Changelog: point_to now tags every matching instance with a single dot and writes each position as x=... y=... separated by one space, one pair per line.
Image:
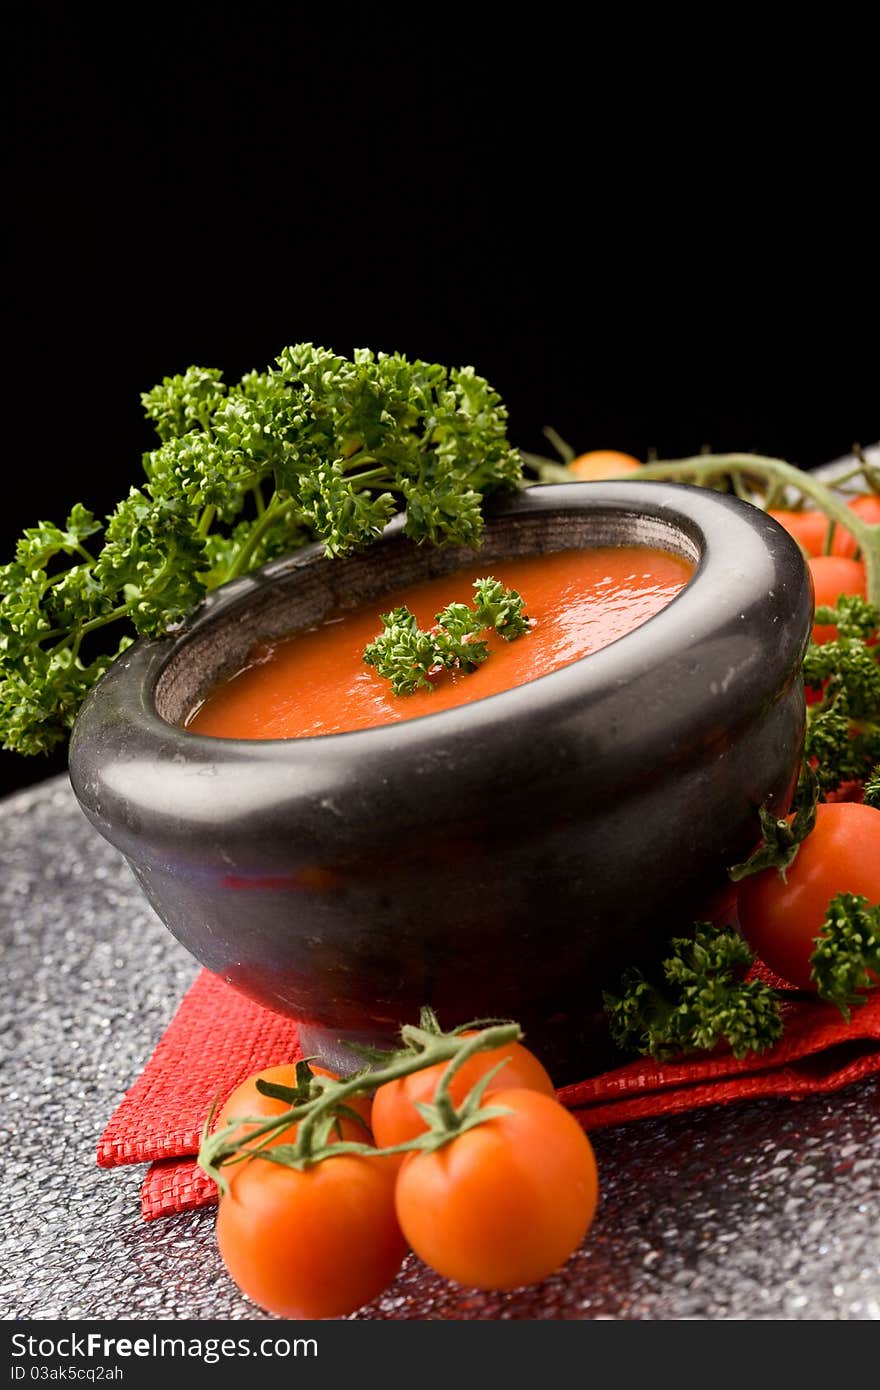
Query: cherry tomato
x=506 y=1202
x=834 y=575
x=781 y=919
x=247 y=1100
x=809 y=528
x=603 y=463
x=868 y=508
x=395 y=1118
x=312 y=1244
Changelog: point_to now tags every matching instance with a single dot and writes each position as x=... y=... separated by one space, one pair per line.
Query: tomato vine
x=318 y=1100
x=707 y=470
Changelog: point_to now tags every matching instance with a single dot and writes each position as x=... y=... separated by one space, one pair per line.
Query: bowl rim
x=119 y=719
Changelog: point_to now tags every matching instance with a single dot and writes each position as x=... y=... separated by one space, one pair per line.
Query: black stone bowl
x=506 y=858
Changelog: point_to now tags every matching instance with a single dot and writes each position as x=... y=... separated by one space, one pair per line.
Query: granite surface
x=759 y=1210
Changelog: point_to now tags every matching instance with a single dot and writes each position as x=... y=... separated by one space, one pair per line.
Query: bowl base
x=330 y=1046
x=571 y=1050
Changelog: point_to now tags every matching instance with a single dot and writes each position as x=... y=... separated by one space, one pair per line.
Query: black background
x=644 y=236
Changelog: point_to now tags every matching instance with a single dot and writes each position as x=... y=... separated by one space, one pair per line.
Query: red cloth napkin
x=198 y=1062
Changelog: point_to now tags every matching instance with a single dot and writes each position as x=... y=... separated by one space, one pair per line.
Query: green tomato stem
x=442 y=1098
x=423 y=1049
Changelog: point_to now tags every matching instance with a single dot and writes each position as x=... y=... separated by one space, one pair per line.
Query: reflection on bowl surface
x=505 y=858
x=316 y=682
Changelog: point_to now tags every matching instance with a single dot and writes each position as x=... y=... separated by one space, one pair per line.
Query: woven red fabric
x=196 y=1063
x=175 y=1185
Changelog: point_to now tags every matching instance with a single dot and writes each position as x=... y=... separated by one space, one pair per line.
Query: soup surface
x=317 y=682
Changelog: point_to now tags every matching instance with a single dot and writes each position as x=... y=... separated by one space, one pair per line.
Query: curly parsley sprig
x=318 y=447
x=695 y=999
x=843 y=722
x=408 y=657
x=846 y=960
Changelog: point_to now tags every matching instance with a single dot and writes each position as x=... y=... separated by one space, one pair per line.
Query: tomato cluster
x=836 y=568
x=501 y=1203
x=810 y=526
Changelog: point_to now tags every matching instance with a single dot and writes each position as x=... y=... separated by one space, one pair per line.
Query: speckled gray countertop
x=760 y=1210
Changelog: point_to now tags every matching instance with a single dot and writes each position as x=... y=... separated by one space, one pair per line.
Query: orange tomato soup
x=317 y=682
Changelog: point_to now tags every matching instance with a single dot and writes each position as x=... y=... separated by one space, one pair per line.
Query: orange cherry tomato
x=868 y=508
x=834 y=575
x=809 y=528
x=781 y=918
x=603 y=463
x=395 y=1118
x=246 y=1100
x=505 y=1203
x=312 y=1244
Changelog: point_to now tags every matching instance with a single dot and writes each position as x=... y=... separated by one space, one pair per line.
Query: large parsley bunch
x=319 y=447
